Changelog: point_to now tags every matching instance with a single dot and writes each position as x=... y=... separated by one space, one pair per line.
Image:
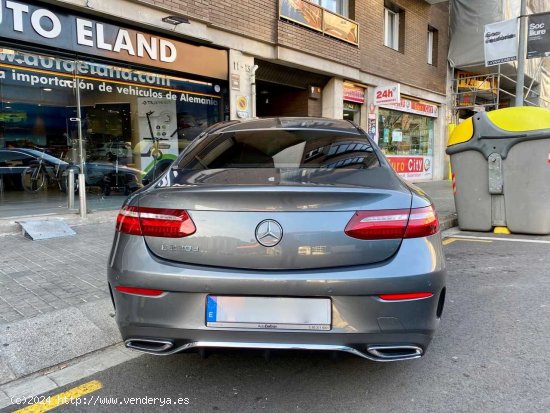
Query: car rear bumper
x=362 y=323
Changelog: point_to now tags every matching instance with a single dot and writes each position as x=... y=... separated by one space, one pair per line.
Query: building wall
x=255 y=19
x=409 y=65
x=252 y=31
x=197 y=9
x=259 y=19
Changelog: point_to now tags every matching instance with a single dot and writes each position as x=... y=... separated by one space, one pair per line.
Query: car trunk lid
x=300 y=227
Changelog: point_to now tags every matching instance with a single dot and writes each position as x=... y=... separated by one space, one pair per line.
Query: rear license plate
x=268 y=313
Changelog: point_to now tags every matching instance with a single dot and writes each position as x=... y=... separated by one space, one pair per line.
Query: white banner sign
x=385 y=95
x=157 y=120
x=501 y=42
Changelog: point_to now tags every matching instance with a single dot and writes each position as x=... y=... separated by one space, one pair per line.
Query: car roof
x=37 y=154
x=289 y=123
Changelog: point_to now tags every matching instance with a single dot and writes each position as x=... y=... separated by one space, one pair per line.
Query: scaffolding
x=485 y=92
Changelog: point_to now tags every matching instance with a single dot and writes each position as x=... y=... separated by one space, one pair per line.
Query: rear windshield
x=280 y=149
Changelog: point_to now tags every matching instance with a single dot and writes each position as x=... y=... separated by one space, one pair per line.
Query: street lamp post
x=521 y=53
x=81 y=175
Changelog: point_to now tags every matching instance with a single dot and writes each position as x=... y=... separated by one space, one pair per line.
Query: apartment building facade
x=146 y=76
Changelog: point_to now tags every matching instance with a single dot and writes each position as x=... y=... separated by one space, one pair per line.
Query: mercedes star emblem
x=269 y=233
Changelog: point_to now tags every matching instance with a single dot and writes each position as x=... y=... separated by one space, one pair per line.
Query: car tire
x=64 y=185
x=33 y=179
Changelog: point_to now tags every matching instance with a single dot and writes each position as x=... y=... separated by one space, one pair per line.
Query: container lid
x=462 y=133
x=499 y=130
x=516 y=119
x=520 y=119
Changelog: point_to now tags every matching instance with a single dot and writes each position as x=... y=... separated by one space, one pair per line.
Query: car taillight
x=139 y=291
x=393 y=223
x=405 y=296
x=155 y=222
x=422 y=222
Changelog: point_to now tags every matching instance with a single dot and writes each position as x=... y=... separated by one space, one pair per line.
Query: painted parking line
x=51 y=402
x=450 y=240
x=490 y=239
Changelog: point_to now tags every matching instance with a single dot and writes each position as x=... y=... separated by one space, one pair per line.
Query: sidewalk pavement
x=54 y=301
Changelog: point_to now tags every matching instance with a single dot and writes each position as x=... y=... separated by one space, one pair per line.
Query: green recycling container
x=501 y=170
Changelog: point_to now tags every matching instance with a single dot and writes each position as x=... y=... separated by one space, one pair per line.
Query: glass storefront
x=405 y=133
x=132 y=121
x=407 y=139
x=352 y=112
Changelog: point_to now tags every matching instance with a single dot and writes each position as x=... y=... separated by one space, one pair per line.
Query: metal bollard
x=82 y=195
x=70 y=189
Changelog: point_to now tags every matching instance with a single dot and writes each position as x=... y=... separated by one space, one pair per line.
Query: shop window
x=37 y=104
x=352 y=112
x=132 y=122
x=141 y=120
x=394 y=25
x=432 y=44
x=403 y=133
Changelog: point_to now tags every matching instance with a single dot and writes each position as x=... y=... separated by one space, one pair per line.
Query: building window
x=337 y=6
x=432 y=46
x=391 y=29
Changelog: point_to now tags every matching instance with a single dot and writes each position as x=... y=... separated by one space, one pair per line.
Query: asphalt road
x=490 y=354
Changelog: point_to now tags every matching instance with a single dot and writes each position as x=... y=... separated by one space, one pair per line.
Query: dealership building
x=123 y=86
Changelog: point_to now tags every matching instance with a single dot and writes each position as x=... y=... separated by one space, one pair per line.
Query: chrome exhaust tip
x=395 y=352
x=149 y=345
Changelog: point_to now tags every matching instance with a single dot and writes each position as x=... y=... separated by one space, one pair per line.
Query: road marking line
x=450 y=240
x=57 y=400
x=472 y=240
x=469 y=237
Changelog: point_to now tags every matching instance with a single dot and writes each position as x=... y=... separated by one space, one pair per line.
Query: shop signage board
x=46 y=25
x=501 y=42
x=353 y=93
x=538 y=39
x=385 y=95
x=42 y=70
x=317 y=18
x=412 y=106
x=412 y=167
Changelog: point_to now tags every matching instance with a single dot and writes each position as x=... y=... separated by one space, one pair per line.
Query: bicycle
x=39 y=175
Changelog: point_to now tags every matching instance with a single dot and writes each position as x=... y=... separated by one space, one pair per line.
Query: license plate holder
x=268 y=313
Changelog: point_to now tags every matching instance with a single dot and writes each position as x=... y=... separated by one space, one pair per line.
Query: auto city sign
x=47 y=26
x=412 y=167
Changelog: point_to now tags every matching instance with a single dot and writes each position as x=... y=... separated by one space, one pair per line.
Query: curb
x=448 y=222
x=9 y=226
x=52 y=378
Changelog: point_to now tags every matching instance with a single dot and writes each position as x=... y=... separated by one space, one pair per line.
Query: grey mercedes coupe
x=280 y=233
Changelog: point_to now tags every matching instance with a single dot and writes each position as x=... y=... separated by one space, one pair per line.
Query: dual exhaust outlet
x=374 y=352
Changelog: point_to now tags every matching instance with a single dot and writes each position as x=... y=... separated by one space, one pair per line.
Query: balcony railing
x=317 y=18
